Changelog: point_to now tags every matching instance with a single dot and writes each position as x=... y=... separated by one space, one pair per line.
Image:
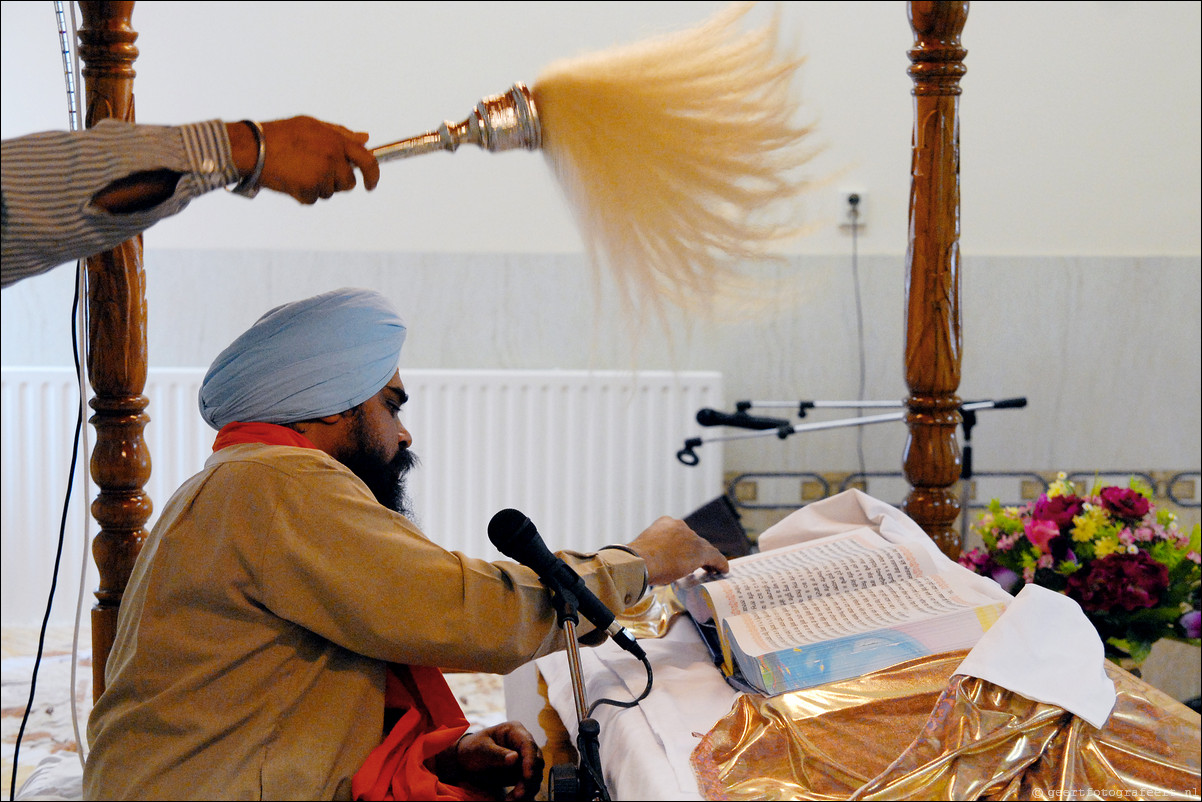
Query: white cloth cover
x=1042 y=647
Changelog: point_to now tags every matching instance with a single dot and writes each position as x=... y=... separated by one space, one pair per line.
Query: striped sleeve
x=50 y=178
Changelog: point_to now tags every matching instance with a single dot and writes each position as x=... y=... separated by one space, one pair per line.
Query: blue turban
x=306 y=359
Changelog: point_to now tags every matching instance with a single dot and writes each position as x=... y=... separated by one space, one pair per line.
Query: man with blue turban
x=282 y=631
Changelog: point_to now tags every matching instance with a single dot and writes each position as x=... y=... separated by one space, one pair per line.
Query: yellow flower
x=1087 y=525
x=1061 y=487
x=1107 y=545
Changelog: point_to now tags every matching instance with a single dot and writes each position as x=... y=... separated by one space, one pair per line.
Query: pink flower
x=975 y=560
x=1119 y=581
x=1041 y=532
x=1145 y=534
x=1124 y=503
x=1058 y=509
x=1006 y=542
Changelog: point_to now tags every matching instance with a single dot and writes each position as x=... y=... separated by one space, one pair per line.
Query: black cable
x=615 y=702
x=62 y=534
x=70 y=77
x=592 y=766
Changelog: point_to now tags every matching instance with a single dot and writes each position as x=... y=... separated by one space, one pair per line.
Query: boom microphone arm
x=688 y=454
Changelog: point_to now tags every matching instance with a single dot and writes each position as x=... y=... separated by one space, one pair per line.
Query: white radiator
x=590 y=457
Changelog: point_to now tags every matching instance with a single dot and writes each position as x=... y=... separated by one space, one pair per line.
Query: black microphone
x=712 y=417
x=514 y=536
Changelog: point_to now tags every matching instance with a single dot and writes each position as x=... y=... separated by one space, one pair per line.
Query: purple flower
x=1119 y=582
x=1124 y=503
x=983 y=563
x=1005 y=577
x=1057 y=509
x=1191 y=622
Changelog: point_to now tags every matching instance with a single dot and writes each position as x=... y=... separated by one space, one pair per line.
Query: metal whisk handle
x=414 y=146
x=440 y=140
x=499 y=122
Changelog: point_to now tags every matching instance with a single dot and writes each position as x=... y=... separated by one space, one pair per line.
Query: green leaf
x=1135 y=649
x=1143 y=488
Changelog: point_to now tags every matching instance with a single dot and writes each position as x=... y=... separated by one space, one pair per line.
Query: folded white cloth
x=1044 y=648
x=850 y=509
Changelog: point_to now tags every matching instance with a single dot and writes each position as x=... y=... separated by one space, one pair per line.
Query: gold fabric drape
x=919 y=731
x=915 y=731
x=653 y=614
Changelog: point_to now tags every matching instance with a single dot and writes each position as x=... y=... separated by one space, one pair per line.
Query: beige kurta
x=250 y=653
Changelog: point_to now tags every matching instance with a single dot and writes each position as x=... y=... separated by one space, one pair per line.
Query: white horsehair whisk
x=679 y=155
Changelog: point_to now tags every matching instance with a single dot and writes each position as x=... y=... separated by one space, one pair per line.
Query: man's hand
x=499 y=757
x=672 y=550
x=306 y=158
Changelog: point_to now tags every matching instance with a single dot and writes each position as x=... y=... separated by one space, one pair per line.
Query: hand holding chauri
x=306 y=158
x=303 y=157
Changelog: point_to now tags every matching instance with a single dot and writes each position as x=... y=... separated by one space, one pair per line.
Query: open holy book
x=834 y=608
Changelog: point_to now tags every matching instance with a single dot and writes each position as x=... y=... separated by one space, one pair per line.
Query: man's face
x=378 y=448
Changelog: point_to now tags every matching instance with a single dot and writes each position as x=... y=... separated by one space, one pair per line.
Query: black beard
x=386 y=481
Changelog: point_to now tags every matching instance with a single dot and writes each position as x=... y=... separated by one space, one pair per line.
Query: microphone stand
x=968 y=413
x=802 y=406
x=582 y=783
x=688 y=455
x=969 y=420
x=968 y=417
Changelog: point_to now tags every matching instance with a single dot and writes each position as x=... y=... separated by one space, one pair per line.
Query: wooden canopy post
x=932 y=354
x=116 y=345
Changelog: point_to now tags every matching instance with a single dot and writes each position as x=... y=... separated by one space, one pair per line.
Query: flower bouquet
x=1134 y=572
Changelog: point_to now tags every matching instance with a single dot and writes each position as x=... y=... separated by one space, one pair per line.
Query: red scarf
x=429 y=717
x=432 y=722
x=270 y=434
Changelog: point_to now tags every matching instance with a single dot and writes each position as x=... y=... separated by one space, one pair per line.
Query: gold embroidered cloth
x=915 y=731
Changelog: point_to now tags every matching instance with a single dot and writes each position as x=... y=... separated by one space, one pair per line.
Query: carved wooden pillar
x=932 y=354
x=117 y=345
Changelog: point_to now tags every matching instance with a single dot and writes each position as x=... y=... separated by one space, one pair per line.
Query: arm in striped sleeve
x=51 y=180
